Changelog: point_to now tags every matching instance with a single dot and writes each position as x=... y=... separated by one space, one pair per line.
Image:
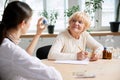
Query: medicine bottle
x=105 y=53
x=45 y=22
x=109 y=55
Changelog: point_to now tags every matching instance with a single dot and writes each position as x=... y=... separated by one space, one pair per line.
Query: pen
x=83 y=52
x=80 y=48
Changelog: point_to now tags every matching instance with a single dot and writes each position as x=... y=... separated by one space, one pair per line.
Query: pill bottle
x=105 y=53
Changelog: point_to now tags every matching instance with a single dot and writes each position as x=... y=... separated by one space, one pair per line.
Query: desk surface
x=103 y=69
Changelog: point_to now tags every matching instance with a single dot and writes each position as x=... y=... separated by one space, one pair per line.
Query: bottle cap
x=105 y=48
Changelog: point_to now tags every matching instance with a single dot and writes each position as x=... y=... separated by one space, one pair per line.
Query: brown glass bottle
x=105 y=53
x=109 y=55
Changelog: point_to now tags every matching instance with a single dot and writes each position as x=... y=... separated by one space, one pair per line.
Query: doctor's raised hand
x=39 y=30
x=40 y=26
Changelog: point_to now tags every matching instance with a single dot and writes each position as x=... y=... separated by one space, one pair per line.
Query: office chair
x=42 y=52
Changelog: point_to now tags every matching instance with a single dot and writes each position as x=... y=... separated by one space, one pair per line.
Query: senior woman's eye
x=80 y=22
x=73 y=20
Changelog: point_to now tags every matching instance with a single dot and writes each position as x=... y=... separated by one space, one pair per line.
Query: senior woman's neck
x=75 y=35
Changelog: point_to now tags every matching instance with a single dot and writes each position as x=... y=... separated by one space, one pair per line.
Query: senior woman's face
x=76 y=25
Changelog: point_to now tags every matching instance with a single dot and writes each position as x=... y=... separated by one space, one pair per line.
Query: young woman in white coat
x=15 y=62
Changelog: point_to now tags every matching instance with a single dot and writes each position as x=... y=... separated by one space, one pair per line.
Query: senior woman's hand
x=82 y=55
x=94 y=57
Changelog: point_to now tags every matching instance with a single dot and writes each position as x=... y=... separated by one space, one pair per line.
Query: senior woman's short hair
x=81 y=16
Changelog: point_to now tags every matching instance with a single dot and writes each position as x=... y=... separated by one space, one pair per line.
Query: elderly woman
x=71 y=44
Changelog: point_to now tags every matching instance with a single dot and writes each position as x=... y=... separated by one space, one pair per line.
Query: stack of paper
x=86 y=61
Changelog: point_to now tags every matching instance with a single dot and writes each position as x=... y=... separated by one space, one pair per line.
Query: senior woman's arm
x=94 y=45
x=56 y=50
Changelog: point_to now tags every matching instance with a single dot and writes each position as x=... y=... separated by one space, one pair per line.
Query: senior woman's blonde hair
x=81 y=16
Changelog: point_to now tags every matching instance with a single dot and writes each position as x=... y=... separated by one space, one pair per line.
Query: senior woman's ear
x=68 y=27
x=84 y=28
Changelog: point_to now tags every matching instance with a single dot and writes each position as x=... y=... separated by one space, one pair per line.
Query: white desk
x=103 y=69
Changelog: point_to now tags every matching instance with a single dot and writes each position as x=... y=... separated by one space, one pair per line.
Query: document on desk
x=86 y=61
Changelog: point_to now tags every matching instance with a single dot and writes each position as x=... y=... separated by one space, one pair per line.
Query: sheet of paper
x=86 y=61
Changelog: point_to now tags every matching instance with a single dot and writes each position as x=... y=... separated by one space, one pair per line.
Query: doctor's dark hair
x=13 y=15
